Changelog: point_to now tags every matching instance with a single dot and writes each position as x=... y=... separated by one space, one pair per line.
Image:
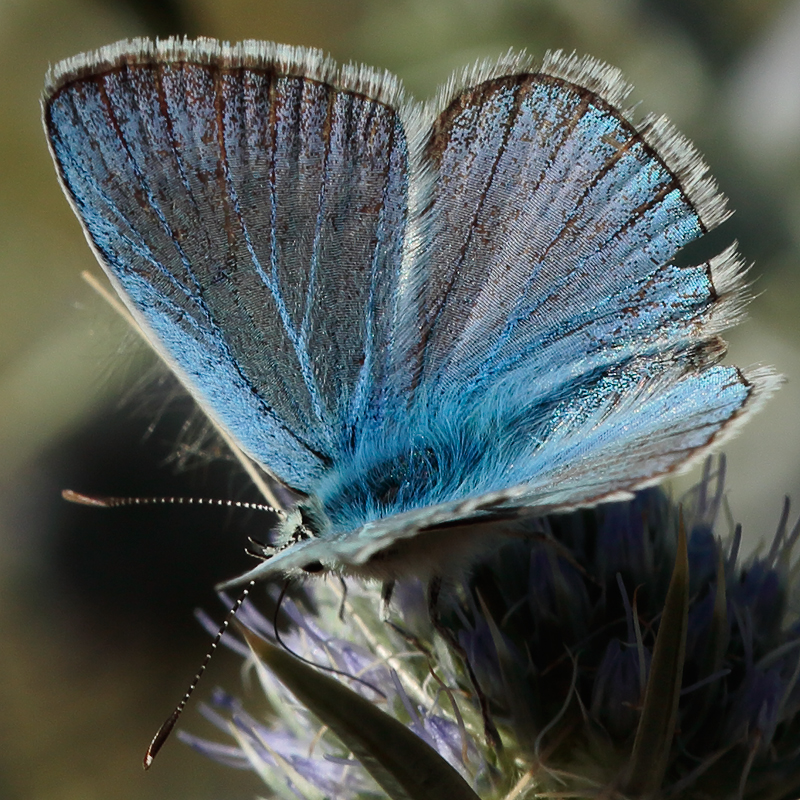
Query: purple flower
x=560 y=632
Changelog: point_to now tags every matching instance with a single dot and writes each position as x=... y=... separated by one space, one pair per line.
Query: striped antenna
x=99 y=501
x=166 y=729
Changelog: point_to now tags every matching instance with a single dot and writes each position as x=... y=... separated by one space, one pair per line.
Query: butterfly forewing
x=554 y=225
x=253 y=218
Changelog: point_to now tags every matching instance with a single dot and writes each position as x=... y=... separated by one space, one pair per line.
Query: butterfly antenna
x=307 y=661
x=166 y=729
x=99 y=501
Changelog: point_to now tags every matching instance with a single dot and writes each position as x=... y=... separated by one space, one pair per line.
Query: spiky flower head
x=622 y=651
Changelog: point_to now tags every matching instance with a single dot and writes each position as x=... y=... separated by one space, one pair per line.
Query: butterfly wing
x=554 y=220
x=249 y=204
x=550 y=306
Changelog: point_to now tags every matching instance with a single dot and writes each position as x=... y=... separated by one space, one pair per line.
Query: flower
x=296 y=756
x=560 y=630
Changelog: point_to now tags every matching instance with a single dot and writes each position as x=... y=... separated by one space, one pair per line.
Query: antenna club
x=84 y=499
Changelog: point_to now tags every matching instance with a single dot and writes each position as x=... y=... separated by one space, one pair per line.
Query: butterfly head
x=304 y=524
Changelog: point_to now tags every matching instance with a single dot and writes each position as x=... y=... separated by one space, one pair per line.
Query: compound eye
x=313 y=566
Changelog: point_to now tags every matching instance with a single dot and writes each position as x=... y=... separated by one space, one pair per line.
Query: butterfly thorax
x=368 y=489
x=361 y=495
x=439 y=457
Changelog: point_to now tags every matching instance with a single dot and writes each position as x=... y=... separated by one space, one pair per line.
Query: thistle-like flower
x=623 y=651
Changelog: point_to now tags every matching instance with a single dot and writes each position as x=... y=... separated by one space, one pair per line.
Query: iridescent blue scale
x=432 y=321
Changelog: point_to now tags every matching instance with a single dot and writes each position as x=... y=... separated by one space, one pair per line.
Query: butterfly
x=430 y=321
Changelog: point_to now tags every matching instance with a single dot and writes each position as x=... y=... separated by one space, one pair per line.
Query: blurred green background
x=97 y=639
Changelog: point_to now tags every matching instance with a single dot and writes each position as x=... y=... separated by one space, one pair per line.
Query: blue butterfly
x=429 y=321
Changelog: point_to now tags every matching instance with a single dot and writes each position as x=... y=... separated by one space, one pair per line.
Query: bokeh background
x=97 y=638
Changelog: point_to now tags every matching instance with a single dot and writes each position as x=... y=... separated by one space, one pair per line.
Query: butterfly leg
x=344 y=598
x=489 y=729
x=387 y=590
